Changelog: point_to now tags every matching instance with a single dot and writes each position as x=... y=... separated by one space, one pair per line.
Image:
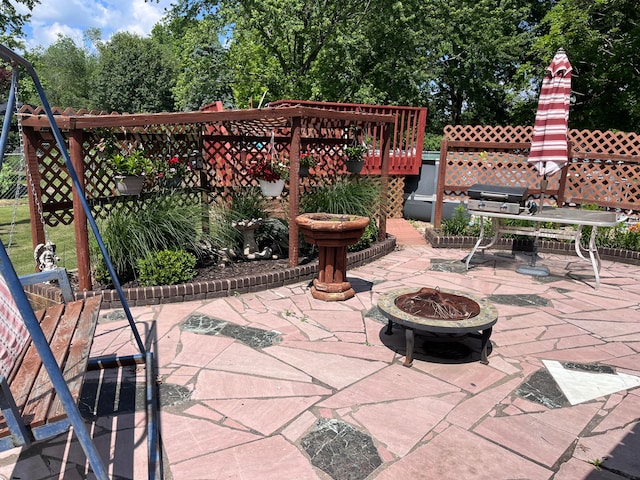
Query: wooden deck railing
x=407 y=136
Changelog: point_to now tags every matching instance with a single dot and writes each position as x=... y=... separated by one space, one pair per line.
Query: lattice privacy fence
x=226 y=150
x=603 y=168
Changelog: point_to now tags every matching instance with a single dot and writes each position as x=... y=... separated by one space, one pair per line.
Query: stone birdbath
x=332 y=233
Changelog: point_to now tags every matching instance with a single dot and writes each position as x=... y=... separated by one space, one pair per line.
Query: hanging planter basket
x=129 y=184
x=354 y=166
x=271 y=189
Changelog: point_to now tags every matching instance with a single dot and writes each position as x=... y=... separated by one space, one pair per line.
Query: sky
x=73 y=17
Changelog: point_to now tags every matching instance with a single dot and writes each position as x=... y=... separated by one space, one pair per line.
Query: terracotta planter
x=129 y=184
x=332 y=234
x=271 y=189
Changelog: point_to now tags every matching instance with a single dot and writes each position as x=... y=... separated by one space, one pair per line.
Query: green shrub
x=243 y=204
x=368 y=237
x=166 y=267
x=133 y=231
x=458 y=224
x=248 y=204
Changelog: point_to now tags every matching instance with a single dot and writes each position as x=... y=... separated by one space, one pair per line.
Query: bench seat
x=69 y=330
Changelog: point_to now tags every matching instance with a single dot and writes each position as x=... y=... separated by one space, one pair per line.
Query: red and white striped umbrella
x=549 y=148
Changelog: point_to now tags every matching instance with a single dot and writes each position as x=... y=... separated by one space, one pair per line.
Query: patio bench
x=31 y=408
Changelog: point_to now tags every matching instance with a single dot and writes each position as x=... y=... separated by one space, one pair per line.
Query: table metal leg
x=594 y=256
x=477 y=246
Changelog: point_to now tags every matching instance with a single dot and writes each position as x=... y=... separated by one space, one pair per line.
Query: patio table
x=565 y=216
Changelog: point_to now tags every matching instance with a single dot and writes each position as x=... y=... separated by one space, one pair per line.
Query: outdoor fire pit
x=332 y=233
x=438 y=312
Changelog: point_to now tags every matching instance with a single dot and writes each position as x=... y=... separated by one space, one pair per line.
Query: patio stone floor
x=278 y=385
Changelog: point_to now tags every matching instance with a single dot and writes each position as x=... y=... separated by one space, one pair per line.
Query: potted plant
x=271 y=172
x=307 y=160
x=172 y=171
x=355 y=157
x=131 y=171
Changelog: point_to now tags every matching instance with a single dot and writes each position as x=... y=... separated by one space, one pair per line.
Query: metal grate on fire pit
x=432 y=303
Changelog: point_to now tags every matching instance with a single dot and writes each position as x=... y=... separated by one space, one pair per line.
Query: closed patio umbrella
x=549 y=147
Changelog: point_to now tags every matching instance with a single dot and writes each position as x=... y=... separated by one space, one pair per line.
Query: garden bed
x=438 y=240
x=243 y=277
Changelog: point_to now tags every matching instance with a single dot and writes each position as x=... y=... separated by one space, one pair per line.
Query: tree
x=602 y=41
x=65 y=70
x=274 y=46
x=472 y=53
x=134 y=75
x=203 y=75
x=11 y=21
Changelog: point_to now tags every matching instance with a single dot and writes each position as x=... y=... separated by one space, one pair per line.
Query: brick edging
x=141 y=296
x=437 y=240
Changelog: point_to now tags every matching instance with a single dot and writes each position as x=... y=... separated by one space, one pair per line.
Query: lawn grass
x=21 y=248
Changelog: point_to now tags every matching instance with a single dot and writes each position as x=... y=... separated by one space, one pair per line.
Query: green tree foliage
x=12 y=20
x=602 y=41
x=203 y=75
x=472 y=51
x=65 y=71
x=134 y=74
x=275 y=45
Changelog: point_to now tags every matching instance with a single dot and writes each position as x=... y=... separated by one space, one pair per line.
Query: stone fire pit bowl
x=332 y=233
x=481 y=316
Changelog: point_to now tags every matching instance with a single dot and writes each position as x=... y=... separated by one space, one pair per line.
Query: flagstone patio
x=279 y=385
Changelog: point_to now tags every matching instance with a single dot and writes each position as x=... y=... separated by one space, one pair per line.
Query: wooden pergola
x=296 y=123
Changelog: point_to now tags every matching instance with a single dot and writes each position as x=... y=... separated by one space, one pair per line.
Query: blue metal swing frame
x=15 y=284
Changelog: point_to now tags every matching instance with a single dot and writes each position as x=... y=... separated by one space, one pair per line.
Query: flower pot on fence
x=173 y=182
x=304 y=172
x=129 y=184
x=271 y=189
x=354 y=166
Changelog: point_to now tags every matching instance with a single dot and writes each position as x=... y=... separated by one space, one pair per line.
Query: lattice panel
x=482 y=133
x=604 y=168
x=465 y=169
x=607 y=183
x=54 y=182
x=582 y=141
x=605 y=143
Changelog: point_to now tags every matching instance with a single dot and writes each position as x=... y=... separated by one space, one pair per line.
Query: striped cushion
x=13 y=333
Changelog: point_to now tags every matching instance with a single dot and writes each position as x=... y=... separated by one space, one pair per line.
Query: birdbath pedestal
x=332 y=234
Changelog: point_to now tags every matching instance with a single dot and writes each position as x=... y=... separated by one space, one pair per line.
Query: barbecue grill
x=497 y=198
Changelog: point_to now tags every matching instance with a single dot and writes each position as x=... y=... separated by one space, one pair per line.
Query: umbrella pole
x=543 y=188
x=533 y=269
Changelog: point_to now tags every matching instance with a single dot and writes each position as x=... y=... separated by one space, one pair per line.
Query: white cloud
x=73 y=17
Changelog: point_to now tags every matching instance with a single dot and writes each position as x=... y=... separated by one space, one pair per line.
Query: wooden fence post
x=79 y=218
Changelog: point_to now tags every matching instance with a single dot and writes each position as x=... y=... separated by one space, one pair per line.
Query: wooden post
x=294 y=191
x=79 y=218
x=384 y=182
x=33 y=188
x=442 y=168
